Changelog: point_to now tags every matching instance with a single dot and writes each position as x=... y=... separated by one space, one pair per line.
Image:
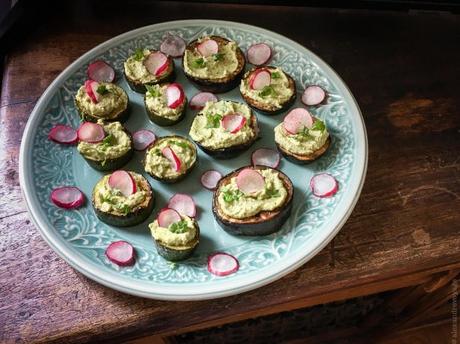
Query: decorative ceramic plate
x=81 y=239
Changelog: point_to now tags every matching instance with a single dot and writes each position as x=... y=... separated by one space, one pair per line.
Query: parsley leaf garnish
x=139 y=54
x=180 y=144
x=267 y=91
x=108 y=141
x=218 y=56
x=230 y=196
x=179 y=227
x=272 y=192
x=102 y=89
x=275 y=75
x=153 y=91
x=318 y=125
x=124 y=209
x=303 y=134
x=199 y=63
x=213 y=121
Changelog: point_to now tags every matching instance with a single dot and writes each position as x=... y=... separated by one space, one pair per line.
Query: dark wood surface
x=403 y=69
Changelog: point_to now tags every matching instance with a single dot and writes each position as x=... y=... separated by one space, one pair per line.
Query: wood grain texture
x=403 y=70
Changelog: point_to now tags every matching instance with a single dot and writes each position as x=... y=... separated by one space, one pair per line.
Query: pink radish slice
x=259 y=79
x=67 y=197
x=174 y=95
x=199 y=100
x=169 y=154
x=259 y=54
x=173 y=45
x=167 y=217
x=91 y=132
x=91 y=90
x=100 y=71
x=123 y=181
x=313 y=95
x=183 y=204
x=63 y=134
x=208 y=47
x=210 y=178
x=120 y=253
x=142 y=139
x=222 y=264
x=323 y=185
x=250 y=181
x=296 y=120
x=233 y=123
x=156 y=63
x=266 y=157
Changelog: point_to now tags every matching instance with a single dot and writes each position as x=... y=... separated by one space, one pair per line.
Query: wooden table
x=404 y=70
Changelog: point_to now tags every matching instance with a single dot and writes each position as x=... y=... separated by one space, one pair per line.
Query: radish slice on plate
x=259 y=79
x=183 y=204
x=208 y=47
x=91 y=132
x=100 y=71
x=167 y=217
x=120 y=253
x=63 y=134
x=324 y=185
x=259 y=54
x=266 y=157
x=156 y=63
x=222 y=264
x=250 y=181
x=173 y=45
x=210 y=178
x=174 y=95
x=123 y=181
x=142 y=139
x=313 y=95
x=199 y=100
x=233 y=123
x=67 y=197
x=91 y=90
x=169 y=154
x=296 y=120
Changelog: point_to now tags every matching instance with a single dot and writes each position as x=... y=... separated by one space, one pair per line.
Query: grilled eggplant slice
x=154 y=108
x=304 y=159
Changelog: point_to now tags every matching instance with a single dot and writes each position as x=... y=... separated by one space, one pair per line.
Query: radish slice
x=67 y=197
x=324 y=185
x=156 y=63
x=63 y=134
x=167 y=217
x=91 y=132
x=123 y=181
x=266 y=157
x=142 y=139
x=210 y=178
x=233 y=123
x=120 y=253
x=199 y=100
x=91 y=89
x=169 y=154
x=222 y=264
x=183 y=204
x=259 y=79
x=259 y=54
x=250 y=181
x=100 y=71
x=208 y=47
x=296 y=120
x=174 y=95
x=313 y=95
x=173 y=45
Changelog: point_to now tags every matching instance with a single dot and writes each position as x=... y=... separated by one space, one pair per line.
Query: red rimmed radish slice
x=199 y=100
x=174 y=95
x=208 y=47
x=313 y=95
x=123 y=181
x=259 y=54
x=173 y=45
x=142 y=139
x=222 y=264
x=233 y=122
x=250 y=181
x=100 y=71
x=67 y=197
x=63 y=134
x=209 y=179
x=120 y=253
x=156 y=63
x=167 y=217
x=169 y=154
x=259 y=79
x=296 y=120
x=324 y=185
x=91 y=90
x=266 y=157
x=183 y=204
x=91 y=132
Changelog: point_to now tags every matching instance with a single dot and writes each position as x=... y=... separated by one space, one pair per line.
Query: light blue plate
x=81 y=239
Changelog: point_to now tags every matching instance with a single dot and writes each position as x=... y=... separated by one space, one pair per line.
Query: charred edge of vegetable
x=122 y=116
x=163 y=121
x=175 y=254
x=139 y=87
x=304 y=159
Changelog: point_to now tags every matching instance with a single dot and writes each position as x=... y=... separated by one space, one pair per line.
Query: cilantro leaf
x=230 y=196
x=213 y=121
x=138 y=54
x=199 y=63
x=218 y=56
x=275 y=75
x=267 y=91
x=180 y=144
x=102 y=89
x=272 y=192
x=179 y=227
x=318 y=125
x=153 y=91
x=124 y=209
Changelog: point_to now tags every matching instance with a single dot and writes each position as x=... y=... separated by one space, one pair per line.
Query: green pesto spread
x=135 y=68
x=178 y=234
x=157 y=103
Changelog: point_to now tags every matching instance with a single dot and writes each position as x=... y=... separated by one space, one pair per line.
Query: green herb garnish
x=153 y=91
x=179 y=227
x=230 y=196
x=102 y=89
x=138 y=54
x=199 y=63
x=218 y=56
x=267 y=91
x=180 y=144
x=124 y=209
x=213 y=121
x=303 y=134
x=275 y=75
x=318 y=125
x=272 y=192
